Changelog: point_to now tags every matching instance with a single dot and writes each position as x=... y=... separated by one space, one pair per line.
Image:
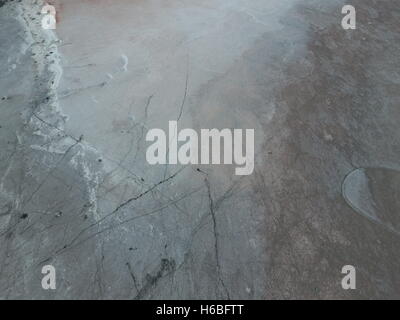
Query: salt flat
x=78 y=193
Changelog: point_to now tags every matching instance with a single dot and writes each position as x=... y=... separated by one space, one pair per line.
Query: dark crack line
x=55 y=127
x=146 y=109
x=185 y=92
x=133 y=277
x=167 y=267
x=68 y=93
x=181 y=109
x=147 y=191
x=72 y=243
x=215 y=230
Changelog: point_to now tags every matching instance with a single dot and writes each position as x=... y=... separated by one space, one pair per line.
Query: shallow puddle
x=375 y=194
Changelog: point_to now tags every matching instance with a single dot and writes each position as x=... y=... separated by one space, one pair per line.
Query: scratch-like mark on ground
x=216 y=243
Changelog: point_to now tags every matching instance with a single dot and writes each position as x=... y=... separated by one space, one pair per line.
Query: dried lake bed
x=76 y=189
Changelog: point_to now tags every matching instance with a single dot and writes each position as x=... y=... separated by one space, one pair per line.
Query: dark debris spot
x=24 y=216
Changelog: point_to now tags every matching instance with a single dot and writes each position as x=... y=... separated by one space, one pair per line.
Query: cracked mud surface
x=76 y=191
